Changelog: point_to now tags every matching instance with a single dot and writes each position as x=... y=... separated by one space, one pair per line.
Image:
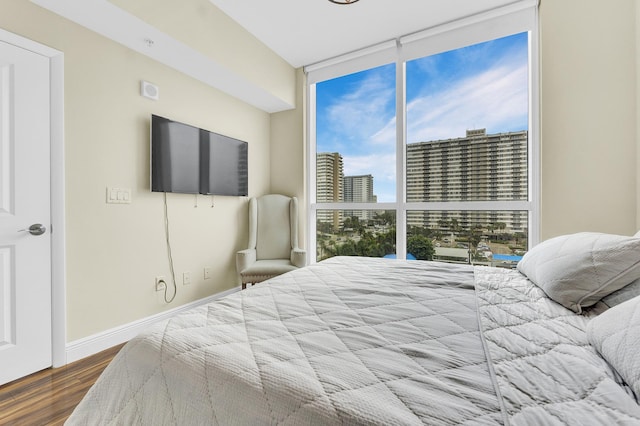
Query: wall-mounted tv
x=190 y=160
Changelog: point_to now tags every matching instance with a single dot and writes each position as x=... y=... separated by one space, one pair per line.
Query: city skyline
x=480 y=86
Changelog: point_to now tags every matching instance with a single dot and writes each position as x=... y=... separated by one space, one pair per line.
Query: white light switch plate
x=118 y=195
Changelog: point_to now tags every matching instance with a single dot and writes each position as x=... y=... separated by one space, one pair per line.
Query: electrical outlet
x=161 y=284
x=207 y=272
x=186 y=278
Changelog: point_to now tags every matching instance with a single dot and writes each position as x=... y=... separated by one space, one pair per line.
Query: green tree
x=475 y=235
x=348 y=248
x=455 y=226
x=421 y=230
x=368 y=245
x=519 y=237
x=324 y=227
x=421 y=247
x=386 y=242
x=385 y=218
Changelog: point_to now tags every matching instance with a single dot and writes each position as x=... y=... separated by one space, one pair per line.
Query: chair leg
x=244 y=285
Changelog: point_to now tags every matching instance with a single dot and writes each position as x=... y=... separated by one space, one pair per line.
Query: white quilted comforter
x=366 y=341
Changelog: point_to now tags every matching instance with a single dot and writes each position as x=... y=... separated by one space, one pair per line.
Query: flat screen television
x=190 y=160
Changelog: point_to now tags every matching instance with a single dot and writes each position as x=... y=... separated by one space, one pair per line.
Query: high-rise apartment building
x=478 y=167
x=359 y=189
x=329 y=181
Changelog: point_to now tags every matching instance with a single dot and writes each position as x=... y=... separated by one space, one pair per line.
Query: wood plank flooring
x=49 y=396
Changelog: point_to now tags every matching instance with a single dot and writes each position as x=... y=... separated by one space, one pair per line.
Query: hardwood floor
x=49 y=396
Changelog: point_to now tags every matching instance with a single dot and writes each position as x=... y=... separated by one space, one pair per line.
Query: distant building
x=329 y=189
x=359 y=189
x=478 y=167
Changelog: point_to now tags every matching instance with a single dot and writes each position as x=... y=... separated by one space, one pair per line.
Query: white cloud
x=495 y=100
x=359 y=116
x=384 y=166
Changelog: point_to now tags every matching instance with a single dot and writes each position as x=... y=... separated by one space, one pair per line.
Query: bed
x=364 y=341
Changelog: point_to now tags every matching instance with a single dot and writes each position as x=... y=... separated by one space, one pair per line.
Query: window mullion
x=401 y=136
x=311 y=170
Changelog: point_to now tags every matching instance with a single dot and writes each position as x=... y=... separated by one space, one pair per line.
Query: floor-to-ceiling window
x=427 y=148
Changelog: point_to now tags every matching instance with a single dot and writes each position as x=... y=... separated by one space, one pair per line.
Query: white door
x=25 y=255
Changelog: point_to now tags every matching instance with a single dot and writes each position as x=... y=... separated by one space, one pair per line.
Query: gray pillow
x=577 y=270
x=616 y=336
x=625 y=293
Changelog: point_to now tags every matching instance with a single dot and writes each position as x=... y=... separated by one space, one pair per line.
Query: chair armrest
x=298 y=257
x=245 y=258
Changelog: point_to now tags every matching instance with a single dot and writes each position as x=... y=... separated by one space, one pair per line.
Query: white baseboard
x=91 y=345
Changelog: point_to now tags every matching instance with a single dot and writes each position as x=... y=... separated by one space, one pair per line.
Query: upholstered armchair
x=273 y=240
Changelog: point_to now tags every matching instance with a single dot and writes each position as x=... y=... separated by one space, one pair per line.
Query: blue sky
x=480 y=86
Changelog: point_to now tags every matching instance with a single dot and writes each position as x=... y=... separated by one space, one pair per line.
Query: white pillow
x=577 y=270
x=616 y=336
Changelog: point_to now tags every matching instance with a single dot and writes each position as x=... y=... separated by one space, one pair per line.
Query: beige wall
x=114 y=252
x=288 y=153
x=588 y=113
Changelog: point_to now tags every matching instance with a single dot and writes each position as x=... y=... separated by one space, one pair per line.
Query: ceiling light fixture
x=343 y=1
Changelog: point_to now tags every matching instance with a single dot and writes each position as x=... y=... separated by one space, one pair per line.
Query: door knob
x=35 y=229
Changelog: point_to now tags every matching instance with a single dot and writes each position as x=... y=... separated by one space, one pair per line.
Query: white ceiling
x=304 y=32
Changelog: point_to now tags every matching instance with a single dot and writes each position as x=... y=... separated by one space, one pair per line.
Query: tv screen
x=190 y=160
x=223 y=165
x=175 y=156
